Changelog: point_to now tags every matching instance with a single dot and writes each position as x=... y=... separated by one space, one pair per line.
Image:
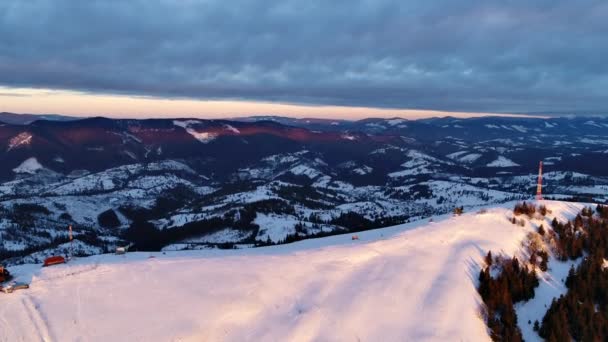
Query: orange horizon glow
x=82 y=104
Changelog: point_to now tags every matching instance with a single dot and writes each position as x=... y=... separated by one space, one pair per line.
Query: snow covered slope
x=413 y=282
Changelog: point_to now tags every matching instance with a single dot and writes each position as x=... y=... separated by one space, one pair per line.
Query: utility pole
x=71 y=242
x=539 y=186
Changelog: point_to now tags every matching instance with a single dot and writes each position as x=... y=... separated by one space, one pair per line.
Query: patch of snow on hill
x=419 y=163
x=593 y=190
x=259 y=194
x=464 y=156
x=394 y=122
x=592 y=123
x=374 y=125
x=554 y=158
x=22 y=139
x=203 y=137
x=363 y=170
x=384 y=150
x=169 y=165
x=593 y=141
x=519 y=128
x=232 y=129
x=551 y=287
x=159 y=182
x=30 y=165
x=131 y=155
x=275 y=227
x=304 y=170
x=185 y=123
x=456 y=155
x=502 y=162
x=470 y=158
x=285 y=158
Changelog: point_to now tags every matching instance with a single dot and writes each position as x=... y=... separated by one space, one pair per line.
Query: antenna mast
x=539 y=186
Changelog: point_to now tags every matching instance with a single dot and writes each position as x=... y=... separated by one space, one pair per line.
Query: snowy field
x=413 y=282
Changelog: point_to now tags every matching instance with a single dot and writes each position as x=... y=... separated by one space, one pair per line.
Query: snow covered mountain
x=409 y=282
x=191 y=184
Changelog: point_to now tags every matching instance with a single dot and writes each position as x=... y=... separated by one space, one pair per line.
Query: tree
x=108 y=219
x=144 y=235
x=514 y=283
x=541 y=230
x=489 y=258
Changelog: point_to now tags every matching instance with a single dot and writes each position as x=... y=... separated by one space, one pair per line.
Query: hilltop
x=415 y=281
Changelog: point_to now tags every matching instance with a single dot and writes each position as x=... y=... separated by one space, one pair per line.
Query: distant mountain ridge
x=25 y=119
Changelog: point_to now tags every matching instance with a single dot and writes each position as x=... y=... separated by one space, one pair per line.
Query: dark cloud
x=448 y=55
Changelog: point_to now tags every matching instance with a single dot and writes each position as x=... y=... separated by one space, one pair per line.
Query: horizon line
x=85 y=105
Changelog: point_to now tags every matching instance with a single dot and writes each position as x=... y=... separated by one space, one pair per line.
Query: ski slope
x=412 y=282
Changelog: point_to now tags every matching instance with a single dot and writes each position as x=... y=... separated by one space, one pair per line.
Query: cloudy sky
x=340 y=57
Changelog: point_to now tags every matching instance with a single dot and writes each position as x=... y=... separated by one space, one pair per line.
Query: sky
x=347 y=59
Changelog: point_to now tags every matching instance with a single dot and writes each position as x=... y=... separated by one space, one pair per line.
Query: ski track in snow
x=37 y=318
x=413 y=282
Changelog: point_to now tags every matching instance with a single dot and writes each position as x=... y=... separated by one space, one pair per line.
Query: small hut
x=54 y=260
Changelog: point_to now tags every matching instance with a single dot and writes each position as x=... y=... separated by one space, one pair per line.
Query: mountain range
x=193 y=183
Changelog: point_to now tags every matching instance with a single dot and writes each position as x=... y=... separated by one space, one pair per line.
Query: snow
x=375 y=125
x=30 y=165
x=592 y=123
x=420 y=163
x=594 y=190
x=394 y=122
x=519 y=128
x=285 y=158
x=456 y=155
x=232 y=129
x=275 y=227
x=304 y=170
x=131 y=155
x=185 y=123
x=258 y=194
x=593 y=141
x=551 y=286
x=502 y=162
x=470 y=158
x=464 y=156
x=409 y=282
x=203 y=137
x=363 y=170
x=20 y=140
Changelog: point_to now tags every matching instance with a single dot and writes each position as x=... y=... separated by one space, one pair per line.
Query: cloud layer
x=500 y=56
